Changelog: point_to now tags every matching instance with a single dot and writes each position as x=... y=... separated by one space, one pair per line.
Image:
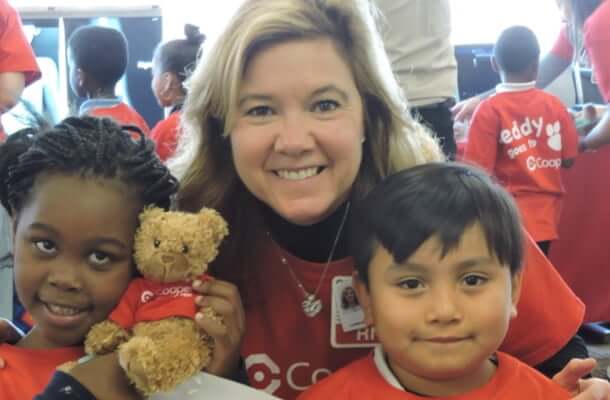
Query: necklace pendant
x=311 y=306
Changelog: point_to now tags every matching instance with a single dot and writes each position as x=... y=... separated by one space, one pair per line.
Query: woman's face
x=297 y=140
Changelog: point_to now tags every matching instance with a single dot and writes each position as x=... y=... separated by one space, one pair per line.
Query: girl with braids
x=172 y=63
x=74 y=193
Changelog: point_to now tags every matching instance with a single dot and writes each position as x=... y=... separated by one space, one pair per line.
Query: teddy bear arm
x=105 y=337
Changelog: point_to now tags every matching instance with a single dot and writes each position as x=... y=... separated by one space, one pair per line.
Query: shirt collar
x=384 y=368
x=90 y=104
x=515 y=87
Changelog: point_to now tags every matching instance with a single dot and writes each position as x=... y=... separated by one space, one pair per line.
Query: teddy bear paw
x=151 y=367
x=104 y=338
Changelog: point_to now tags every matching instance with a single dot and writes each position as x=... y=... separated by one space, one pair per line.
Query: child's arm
x=65 y=387
x=100 y=378
x=599 y=135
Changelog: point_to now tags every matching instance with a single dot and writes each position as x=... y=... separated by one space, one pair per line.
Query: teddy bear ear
x=215 y=222
x=150 y=212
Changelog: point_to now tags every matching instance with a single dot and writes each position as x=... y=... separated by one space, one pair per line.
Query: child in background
x=74 y=194
x=523 y=136
x=439 y=287
x=18 y=66
x=172 y=63
x=97 y=59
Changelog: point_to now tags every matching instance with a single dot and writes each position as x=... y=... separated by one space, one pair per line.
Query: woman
x=585 y=36
x=295 y=117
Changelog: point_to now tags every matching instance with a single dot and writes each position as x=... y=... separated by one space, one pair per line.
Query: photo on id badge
x=347 y=310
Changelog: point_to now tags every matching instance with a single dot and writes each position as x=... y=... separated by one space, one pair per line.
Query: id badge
x=348 y=328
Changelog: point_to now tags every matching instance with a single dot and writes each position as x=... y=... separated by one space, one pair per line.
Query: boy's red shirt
x=123 y=114
x=521 y=137
x=363 y=379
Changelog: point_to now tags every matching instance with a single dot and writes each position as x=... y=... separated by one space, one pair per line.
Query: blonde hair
x=203 y=162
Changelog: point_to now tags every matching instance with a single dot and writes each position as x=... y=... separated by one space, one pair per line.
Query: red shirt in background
x=285 y=351
x=596 y=34
x=145 y=300
x=16 y=54
x=364 y=379
x=122 y=113
x=521 y=135
x=28 y=371
x=562 y=47
x=165 y=135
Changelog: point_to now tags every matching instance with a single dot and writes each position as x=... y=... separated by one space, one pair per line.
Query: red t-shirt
x=521 y=137
x=165 y=135
x=146 y=300
x=286 y=351
x=28 y=371
x=123 y=114
x=362 y=379
x=16 y=54
x=596 y=34
x=562 y=47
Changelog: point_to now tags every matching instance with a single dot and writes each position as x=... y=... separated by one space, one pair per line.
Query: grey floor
x=601 y=352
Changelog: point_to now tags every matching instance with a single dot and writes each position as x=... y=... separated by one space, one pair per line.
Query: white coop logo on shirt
x=146 y=296
x=174 y=291
x=267 y=375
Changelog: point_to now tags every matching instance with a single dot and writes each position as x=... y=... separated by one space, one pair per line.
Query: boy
x=523 y=135
x=439 y=287
x=97 y=59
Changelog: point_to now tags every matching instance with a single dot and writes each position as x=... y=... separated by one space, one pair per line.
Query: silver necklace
x=311 y=304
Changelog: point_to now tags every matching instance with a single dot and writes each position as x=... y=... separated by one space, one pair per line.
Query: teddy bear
x=153 y=328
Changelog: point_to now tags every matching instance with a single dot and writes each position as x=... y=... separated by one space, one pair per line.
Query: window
x=481 y=21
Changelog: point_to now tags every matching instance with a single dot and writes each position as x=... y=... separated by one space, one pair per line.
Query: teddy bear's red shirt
x=146 y=300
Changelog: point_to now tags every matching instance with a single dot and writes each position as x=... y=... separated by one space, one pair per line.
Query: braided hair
x=87 y=146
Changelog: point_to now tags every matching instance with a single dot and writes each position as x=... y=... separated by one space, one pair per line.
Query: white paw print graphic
x=553 y=131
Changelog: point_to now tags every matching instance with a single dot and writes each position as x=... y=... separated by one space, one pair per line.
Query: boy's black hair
x=443 y=199
x=86 y=146
x=100 y=52
x=180 y=56
x=516 y=50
